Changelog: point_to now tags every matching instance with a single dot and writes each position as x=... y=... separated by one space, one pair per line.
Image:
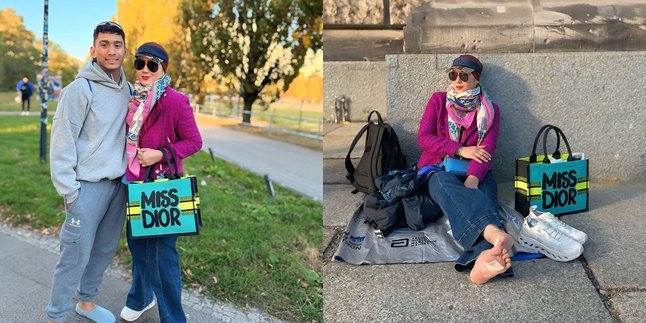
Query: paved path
x=27 y=260
x=294 y=167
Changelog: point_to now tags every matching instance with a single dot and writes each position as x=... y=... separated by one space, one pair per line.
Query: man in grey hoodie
x=87 y=161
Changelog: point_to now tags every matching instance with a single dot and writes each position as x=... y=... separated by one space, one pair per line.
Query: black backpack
x=382 y=154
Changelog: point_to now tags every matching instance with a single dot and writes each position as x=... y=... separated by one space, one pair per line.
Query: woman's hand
x=148 y=157
x=472 y=182
x=477 y=153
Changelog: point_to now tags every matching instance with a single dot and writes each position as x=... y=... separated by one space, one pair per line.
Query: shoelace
x=552 y=232
x=555 y=221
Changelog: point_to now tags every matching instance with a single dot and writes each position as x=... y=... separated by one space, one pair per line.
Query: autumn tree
x=262 y=43
x=18 y=56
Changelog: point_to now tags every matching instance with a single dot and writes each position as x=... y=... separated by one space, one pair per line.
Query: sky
x=71 y=22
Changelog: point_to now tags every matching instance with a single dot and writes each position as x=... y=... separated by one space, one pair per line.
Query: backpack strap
x=89 y=84
x=377 y=150
x=348 y=163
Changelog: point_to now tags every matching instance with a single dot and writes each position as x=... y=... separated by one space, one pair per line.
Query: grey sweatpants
x=89 y=239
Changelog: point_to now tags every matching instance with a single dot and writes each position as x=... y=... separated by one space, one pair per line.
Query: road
x=293 y=167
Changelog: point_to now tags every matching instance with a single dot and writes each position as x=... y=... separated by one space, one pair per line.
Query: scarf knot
x=463 y=107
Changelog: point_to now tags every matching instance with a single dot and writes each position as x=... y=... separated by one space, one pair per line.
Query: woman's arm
x=189 y=139
x=429 y=138
x=480 y=170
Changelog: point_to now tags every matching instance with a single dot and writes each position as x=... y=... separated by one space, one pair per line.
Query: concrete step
x=337 y=142
x=339 y=204
x=334 y=171
x=611 y=273
x=542 y=290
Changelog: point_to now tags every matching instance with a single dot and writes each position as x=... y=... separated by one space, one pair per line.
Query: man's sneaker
x=539 y=236
x=130 y=315
x=578 y=235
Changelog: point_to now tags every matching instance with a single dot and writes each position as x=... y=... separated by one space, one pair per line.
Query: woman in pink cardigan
x=464 y=123
x=158 y=116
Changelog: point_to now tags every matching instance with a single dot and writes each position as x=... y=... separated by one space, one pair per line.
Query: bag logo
x=559 y=189
x=353 y=242
x=165 y=211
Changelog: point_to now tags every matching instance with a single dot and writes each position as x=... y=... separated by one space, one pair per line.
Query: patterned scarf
x=138 y=110
x=463 y=107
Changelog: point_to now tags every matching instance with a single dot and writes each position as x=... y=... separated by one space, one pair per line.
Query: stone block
x=583 y=93
x=362 y=83
x=364 y=12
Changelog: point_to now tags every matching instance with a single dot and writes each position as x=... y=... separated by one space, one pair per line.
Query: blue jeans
x=469 y=211
x=155 y=269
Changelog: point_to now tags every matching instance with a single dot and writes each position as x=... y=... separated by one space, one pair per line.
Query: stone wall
x=449 y=26
x=588 y=95
x=363 y=83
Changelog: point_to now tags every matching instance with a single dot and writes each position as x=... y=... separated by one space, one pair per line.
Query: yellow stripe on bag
x=186 y=204
x=521 y=185
x=536 y=191
x=134 y=210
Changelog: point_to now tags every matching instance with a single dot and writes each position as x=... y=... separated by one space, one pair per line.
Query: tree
x=262 y=43
x=143 y=22
x=18 y=56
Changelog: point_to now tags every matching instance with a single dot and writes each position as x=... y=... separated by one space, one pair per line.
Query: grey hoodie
x=88 y=132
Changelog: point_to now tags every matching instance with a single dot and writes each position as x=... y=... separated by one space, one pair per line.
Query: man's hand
x=472 y=182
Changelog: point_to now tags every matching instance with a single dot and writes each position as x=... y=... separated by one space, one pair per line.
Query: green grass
x=253 y=249
x=7 y=103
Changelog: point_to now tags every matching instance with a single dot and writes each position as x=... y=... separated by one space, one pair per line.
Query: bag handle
x=379 y=119
x=559 y=133
x=173 y=160
x=169 y=162
x=556 y=154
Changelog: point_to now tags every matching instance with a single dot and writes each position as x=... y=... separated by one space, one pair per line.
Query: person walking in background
x=464 y=123
x=157 y=116
x=26 y=89
x=87 y=163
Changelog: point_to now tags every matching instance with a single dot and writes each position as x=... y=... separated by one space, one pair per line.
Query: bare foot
x=87 y=306
x=492 y=234
x=490 y=264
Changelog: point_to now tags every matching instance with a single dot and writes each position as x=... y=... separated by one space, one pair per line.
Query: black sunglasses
x=152 y=66
x=453 y=75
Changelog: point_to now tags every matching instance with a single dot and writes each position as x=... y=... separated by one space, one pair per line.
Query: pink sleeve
x=189 y=139
x=429 y=138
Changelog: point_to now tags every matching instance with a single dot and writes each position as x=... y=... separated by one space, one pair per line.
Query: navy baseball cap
x=467 y=63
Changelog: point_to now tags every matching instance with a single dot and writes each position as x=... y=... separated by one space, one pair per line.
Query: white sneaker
x=539 y=236
x=578 y=235
x=130 y=315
